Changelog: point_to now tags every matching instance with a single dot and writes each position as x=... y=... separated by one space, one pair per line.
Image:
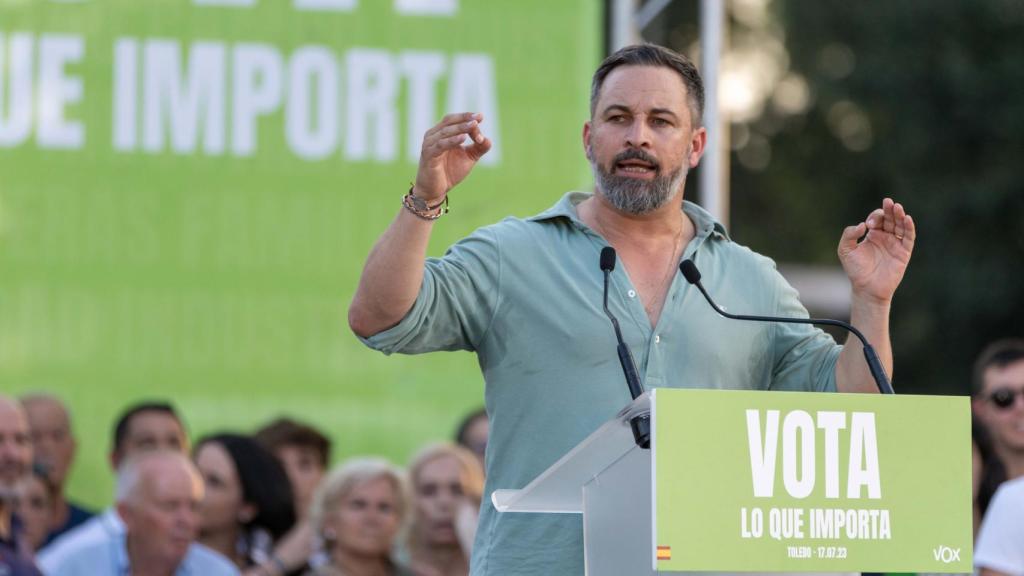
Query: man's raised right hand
x=444 y=160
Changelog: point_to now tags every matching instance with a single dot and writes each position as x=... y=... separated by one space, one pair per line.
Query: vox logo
x=946 y=554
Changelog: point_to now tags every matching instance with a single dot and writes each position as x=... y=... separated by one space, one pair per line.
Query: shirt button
x=632 y=293
x=657 y=339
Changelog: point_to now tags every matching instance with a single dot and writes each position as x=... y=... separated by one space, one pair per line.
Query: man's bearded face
x=627 y=186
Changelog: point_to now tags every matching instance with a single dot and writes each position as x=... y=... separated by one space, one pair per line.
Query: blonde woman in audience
x=358 y=512
x=447 y=485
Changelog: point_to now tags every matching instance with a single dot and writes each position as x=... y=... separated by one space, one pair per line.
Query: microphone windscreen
x=689 y=270
x=608 y=259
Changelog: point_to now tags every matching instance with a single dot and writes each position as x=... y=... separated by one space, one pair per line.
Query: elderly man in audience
x=999 y=400
x=143 y=427
x=158 y=499
x=54 y=446
x=15 y=461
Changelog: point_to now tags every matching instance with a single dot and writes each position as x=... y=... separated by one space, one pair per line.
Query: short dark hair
x=264 y=482
x=999 y=354
x=125 y=420
x=287 y=432
x=653 y=55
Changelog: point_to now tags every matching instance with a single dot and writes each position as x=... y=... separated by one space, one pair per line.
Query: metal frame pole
x=623 y=27
x=712 y=193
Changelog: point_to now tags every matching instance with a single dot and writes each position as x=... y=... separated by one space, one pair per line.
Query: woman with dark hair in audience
x=357 y=513
x=248 y=503
x=447 y=485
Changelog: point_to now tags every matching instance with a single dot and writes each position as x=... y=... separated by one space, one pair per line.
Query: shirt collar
x=704 y=223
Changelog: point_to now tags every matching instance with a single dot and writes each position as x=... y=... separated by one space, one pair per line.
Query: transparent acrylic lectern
x=607 y=478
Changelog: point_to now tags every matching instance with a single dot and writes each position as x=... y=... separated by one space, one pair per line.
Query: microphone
x=692 y=275
x=641 y=425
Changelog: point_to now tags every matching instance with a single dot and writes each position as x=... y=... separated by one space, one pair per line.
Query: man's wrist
x=869 y=303
x=422 y=208
x=430 y=199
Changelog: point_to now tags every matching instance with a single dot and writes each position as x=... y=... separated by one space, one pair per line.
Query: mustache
x=636 y=154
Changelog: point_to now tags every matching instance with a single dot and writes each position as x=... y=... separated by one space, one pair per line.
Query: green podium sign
x=804 y=482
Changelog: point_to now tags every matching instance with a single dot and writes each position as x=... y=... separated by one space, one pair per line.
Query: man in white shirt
x=158 y=498
x=1000 y=547
x=143 y=427
x=999 y=400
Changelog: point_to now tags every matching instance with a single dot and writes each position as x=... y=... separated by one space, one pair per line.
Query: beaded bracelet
x=424 y=212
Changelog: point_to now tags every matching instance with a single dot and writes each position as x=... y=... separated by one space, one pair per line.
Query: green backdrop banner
x=188 y=189
x=802 y=482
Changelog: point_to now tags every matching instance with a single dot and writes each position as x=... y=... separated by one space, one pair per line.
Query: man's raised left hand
x=876 y=263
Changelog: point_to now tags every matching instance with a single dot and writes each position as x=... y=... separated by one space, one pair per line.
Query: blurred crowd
x=269 y=504
x=259 y=504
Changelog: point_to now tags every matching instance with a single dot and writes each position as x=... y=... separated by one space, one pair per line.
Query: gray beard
x=635 y=196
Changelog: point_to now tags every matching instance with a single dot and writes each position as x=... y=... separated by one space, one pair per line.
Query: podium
x=607 y=478
x=710 y=452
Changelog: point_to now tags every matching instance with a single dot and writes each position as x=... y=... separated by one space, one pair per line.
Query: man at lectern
x=526 y=294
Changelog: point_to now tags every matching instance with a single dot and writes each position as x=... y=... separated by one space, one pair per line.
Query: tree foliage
x=919 y=101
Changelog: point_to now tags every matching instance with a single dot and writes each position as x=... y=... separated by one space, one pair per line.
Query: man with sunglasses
x=999 y=400
x=999 y=404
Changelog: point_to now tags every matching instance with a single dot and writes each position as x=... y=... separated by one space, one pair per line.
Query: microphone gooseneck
x=641 y=425
x=607 y=265
x=692 y=275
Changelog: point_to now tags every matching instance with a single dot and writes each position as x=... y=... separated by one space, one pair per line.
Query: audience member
x=999 y=400
x=55 y=446
x=249 y=503
x=987 y=471
x=34 y=506
x=447 y=485
x=472 y=433
x=358 y=511
x=15 y=461
x=304 y=451
x=143 y=427
x=158 y=499
x=1000 y=548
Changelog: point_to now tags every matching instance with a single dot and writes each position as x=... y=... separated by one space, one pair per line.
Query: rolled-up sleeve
x=456 y=302
x=804 y=355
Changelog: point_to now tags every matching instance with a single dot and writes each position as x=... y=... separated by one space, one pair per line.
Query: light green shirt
x=526 y=296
